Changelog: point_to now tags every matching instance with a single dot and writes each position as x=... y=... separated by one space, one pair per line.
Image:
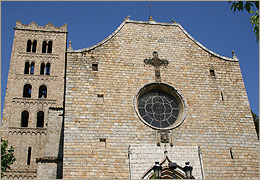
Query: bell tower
x=35 y=86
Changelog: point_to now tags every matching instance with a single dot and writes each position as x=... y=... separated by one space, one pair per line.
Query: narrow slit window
x=26 y=68
x=94 y=67
x=29 y=46
x=24 y=119
x=32 y=68
x=29 y=156
x=212 y=72
x=222 y=98
x=231 y=153
x=34 y=46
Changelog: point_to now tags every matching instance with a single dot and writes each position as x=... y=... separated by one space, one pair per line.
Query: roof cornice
x=127 y=20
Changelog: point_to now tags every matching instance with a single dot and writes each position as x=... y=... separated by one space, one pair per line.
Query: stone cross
x=156 y=62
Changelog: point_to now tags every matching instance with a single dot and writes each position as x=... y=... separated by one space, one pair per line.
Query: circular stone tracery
x=159 y=106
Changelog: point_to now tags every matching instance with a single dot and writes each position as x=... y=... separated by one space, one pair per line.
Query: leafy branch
x=7 y=156
x=248 y=5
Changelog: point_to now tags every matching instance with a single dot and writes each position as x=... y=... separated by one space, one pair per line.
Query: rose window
x=159 y=106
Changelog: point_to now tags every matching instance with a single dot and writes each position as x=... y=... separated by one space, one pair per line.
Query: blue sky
x=213 y=24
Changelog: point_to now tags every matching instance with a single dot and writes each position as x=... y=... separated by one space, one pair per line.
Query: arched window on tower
x=29 y=156
x=29 y=46
x=32 y=68
x=50 y=47
x=48 y=69
x=44 y=46
x=42 y=91
x=26 y=68
x=34 y=46
x=40 y=119
x=42 y=68
x=27 y=90
x=24 y=119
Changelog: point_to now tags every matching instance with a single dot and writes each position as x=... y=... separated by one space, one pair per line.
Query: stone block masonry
x=218 y=115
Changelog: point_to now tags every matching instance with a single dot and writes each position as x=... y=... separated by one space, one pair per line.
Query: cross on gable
x=156 y=62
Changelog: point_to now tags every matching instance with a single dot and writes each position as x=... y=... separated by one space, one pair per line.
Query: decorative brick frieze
x=26 y=131
x=47 y=159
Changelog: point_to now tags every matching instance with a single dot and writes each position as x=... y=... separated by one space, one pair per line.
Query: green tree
x=248 y=6
x=256 y=121
x=7 y=156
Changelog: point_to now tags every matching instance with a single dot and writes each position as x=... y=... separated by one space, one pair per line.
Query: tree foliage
x=7 y=156
x=256 y=121
x=248 y=6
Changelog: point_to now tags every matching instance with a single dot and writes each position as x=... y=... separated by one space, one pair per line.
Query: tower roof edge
x=34 y=26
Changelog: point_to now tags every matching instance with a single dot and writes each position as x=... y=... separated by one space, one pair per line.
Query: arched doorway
x=167 y=172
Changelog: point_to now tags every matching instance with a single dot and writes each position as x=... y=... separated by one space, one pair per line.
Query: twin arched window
x=47 y=69
x=28 y=67
x=27 y=91
x=31 y=46
x=25 y=119
x=47 y=47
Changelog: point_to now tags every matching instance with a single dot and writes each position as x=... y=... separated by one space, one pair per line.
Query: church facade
x=148 y=93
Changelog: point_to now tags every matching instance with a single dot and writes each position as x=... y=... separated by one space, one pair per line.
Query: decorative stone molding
x=26 y=131
x=45 y=78
x=47 y=159
x=20 y=174
x=56 y=108
x=44 y=56
x=30 y=100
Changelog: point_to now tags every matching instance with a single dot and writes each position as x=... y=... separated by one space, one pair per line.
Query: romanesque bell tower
x=35 y=89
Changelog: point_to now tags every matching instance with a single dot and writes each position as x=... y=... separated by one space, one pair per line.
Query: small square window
x=100 y=98
x=94 y=67
x=102 y=143
x=212 y=72
x=100 y=95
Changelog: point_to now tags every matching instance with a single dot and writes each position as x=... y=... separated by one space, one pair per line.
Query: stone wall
x=101 y=122
x=47 y=171
x=47 y=165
